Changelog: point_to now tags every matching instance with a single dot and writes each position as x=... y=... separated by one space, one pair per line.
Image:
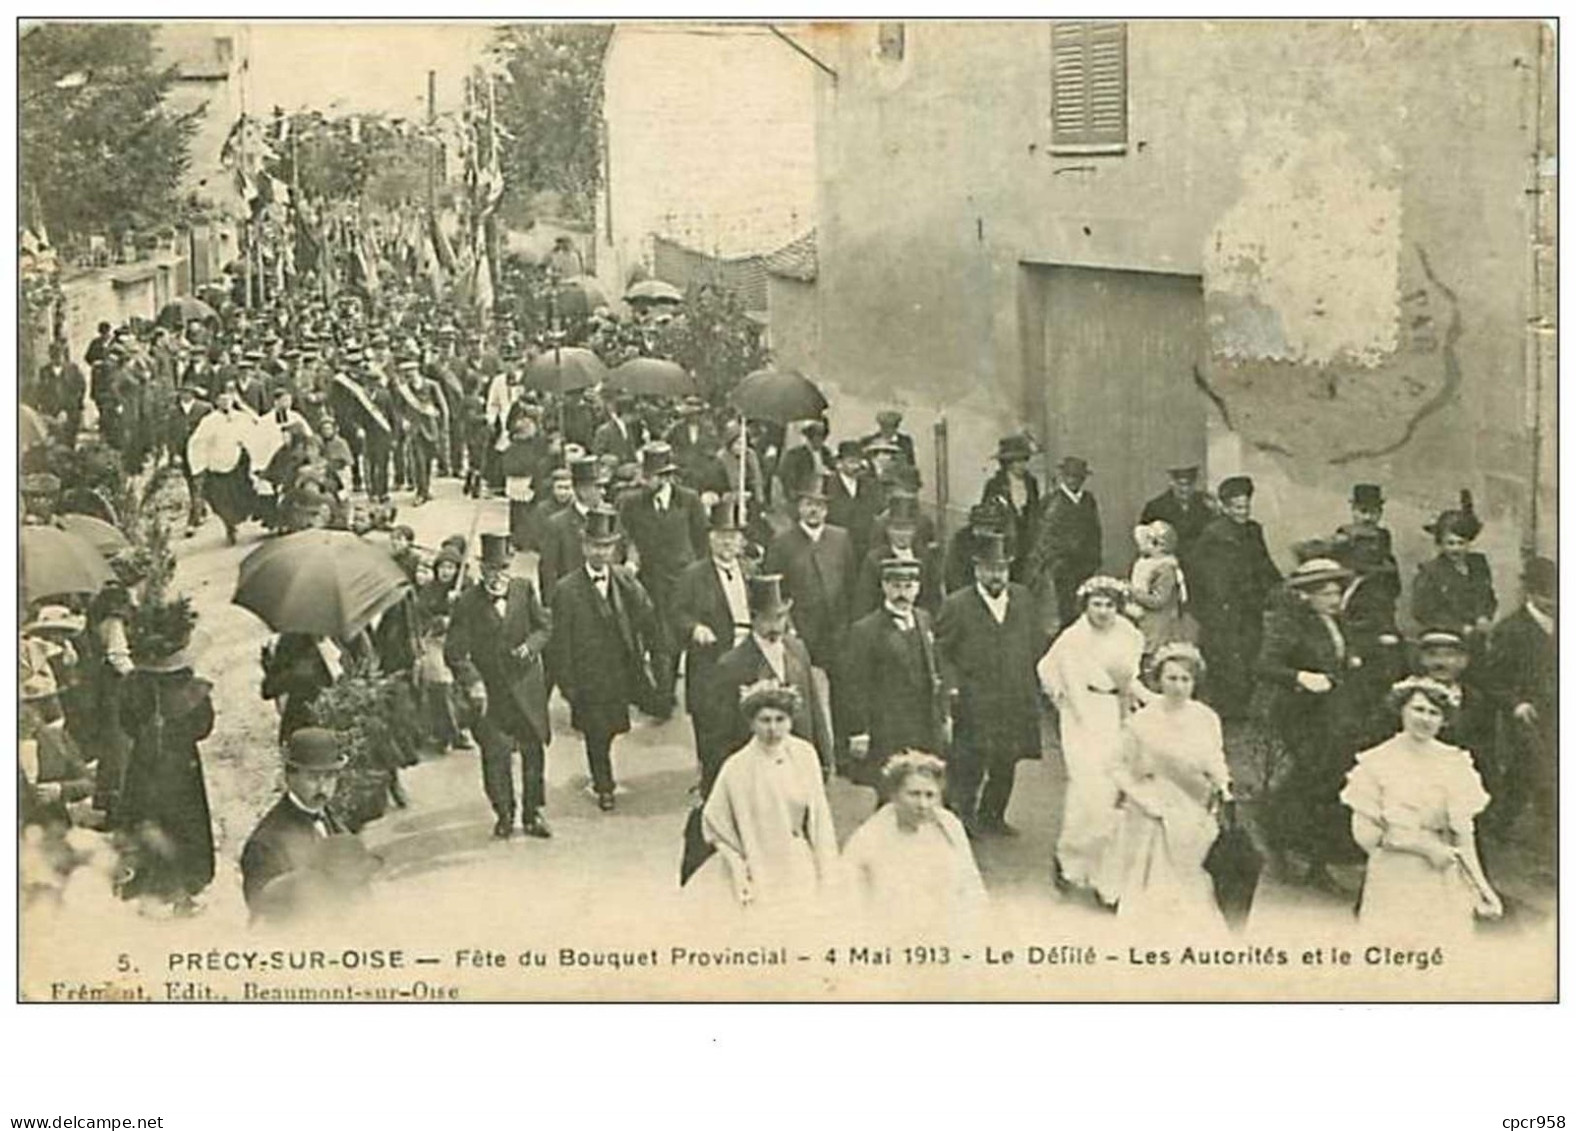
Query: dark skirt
x=230 y=493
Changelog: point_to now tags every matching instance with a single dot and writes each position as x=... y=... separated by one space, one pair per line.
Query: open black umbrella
x=320 y=582
x=578 y=295
x=564 y=370
x=778 y=395
x=185 y=309
x=652 y=376
x=1234 y=864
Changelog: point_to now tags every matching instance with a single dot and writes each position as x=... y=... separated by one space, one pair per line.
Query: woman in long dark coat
x=1454 y=591
x=163 y=809
x=1016 y=492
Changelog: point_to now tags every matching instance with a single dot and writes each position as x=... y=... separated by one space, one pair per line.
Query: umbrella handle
x=744 y=498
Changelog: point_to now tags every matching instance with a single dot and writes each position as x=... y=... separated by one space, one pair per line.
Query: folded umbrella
x=652 y=376
x=563 y=370
x=56 y=562
x=778 y=395
x=1234 y=864
x=102 y=536
x=320 y=582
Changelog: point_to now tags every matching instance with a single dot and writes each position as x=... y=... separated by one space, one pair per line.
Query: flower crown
x=1101 y=584
x=1179 y=650
x=1433 y=688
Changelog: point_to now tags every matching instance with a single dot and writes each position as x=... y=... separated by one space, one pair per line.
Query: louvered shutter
x=1088 y=85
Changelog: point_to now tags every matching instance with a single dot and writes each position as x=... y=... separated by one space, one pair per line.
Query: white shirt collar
x=850 y=483
x=899 y=614
x=814 y=533
x=1076 y=497
x=995 y=604
x=592 y=573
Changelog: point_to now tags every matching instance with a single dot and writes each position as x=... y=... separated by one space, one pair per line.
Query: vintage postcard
x=918 y=510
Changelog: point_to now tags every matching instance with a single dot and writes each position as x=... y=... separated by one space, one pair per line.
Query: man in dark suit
x=1230 y=579
x=498 y=635
x=562 y=534
x=1068 y=551
x=666 y=523
x=899 y=538
x=890 y=679
x=694 y=441
x=854 y=498
x=59 y=392
x=711 y=613
x=816 y=560
x=300 y=858
x=888 y=422
x=189 y=411
x=1523 y=675
x=621 y=434
x=767 y=651
x=1182 y=506
x=810 y=461
x=990 y=637
x=383 y=437
x=605 y=644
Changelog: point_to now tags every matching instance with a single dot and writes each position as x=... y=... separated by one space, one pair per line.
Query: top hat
x=903 y=510
x=315 y=748
x=813 y=488
x=889 y=416
x=724 y=515
x=1540 y=577
x=601 y=525
x=1317 y=571
x=1369 y=496
x=1234 y=487
x=497 y=551
x=656 y=458
x=899 y=569
x=850 y=449
x=1073 y=465
x=1013 y=448
x=585 y=471
x=1189 y=472
x=990 y=548
x=765 y=591
x=987 y=515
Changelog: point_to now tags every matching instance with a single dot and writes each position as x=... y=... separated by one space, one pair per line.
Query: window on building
x=1088 y=86
x=889 y=42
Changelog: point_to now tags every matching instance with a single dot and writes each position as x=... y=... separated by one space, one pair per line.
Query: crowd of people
x=821 y=624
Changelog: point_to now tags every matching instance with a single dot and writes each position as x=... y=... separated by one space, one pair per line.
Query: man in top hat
x=300 y=859
x=667 y=525
x=1068 y=548
x=811 y=460
x=890 y=681
x=561 y=537
x=854 y=498
x=1523 y=675
x=817 y=563
x=1182 y=505
x=990 y=637
x=985 y=519
x=1230 y=580
x=1015 y=491
x=606 y=644
x=621 y=434
x=898 y=537
x=694 y=441
x=711 y=613
x=767 y=650
x=1365 y=534
x=497 y=640
x=888 y=423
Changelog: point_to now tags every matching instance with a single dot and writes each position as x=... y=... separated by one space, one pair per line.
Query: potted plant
x=363 y=709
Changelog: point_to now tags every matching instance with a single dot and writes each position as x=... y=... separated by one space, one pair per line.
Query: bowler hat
x=1540 y=577
x=315 y=748
x=656 y=458
x=765 y=591
x=1073 y=465
x=990 y=548
x=899 y=569
x=903 y=510
x=601 y=525
x=1013 y=448
x=585 y=471
x=1369 y=496
x=1235 y=487
x=497 y=551
x=850 y=449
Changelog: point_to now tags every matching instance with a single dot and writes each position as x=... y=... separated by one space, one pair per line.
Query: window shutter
x=1088 y=85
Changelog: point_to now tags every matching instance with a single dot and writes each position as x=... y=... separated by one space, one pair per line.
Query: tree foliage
x=551 y=114
x=100 y=152
x=381 y=160
x=715 y=339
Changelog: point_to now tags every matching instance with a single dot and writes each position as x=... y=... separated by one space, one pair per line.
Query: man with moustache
x=498 y=635
x=562 y=535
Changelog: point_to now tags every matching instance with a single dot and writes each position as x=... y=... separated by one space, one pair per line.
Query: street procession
x=437 y=510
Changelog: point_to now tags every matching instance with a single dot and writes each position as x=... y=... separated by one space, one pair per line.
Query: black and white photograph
x=1029 y=510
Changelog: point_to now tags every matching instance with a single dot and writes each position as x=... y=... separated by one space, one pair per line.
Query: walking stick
x=470 y=544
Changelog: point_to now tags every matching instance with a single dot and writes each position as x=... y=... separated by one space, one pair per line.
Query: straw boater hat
x=1318 y=571
x=881 y=445
x=55 y=618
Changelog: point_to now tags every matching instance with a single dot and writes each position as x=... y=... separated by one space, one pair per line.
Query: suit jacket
x=1523 y=666
x=599 y=649
x=990 y=670
x=819 y=577
x=1443 y=597
x=891 y=686
x=479 y=647
x=746 y=664
x=698 y=598
x=801 y=465
x=694 y=456
x=626 y=445
x=561 y=553
x=667 y=541
x=285 y=841
x=1188 y=519
x=1069 y=541
x=855 y=513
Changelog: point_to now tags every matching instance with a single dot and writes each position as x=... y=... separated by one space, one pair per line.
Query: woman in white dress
x=1414 y=803
x=1172 y=771
x=911 y=862
x=767 y=815
x=1091 y=674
